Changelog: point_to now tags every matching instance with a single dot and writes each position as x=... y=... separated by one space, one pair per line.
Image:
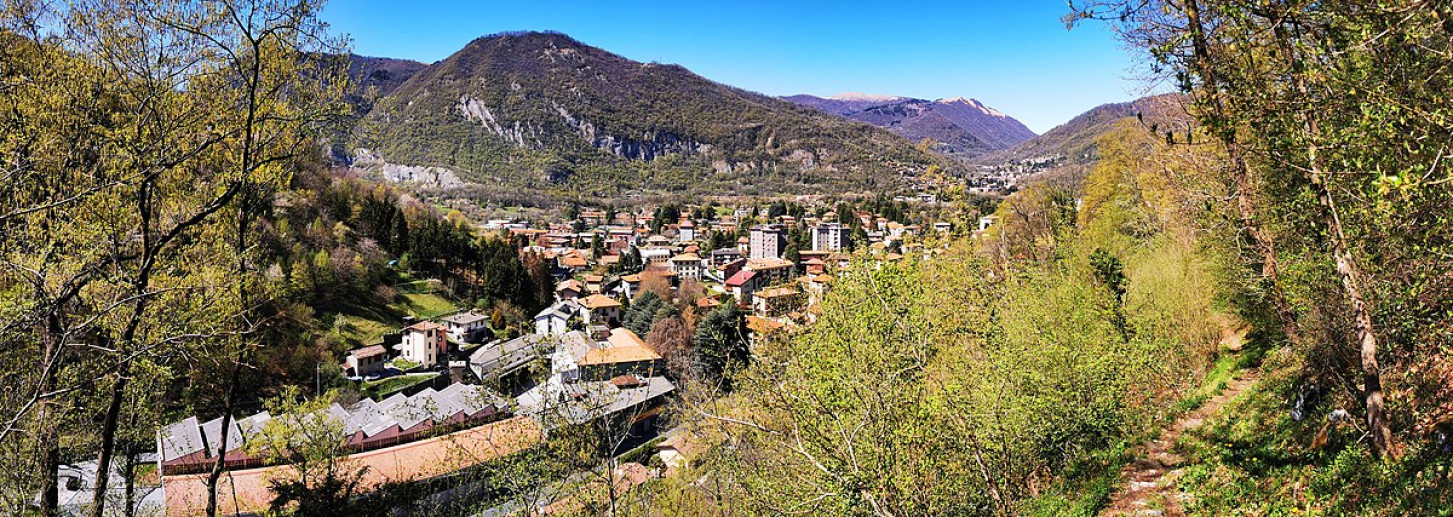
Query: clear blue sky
x=1013 y=55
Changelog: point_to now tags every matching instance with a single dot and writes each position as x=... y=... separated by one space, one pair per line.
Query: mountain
x=960 y=127
x=1074 y=141
x=844 y=104
x=543 y=111
x=383 y=74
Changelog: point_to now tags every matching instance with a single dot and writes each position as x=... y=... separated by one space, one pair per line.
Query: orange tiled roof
x=618 y=354
x=599 y=301
x=762 y=325
x=776 y=292
x=426 y=326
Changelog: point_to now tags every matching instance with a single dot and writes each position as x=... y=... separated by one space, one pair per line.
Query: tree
x=653 y=280
x=792 y=255
x=1310 y=83
x=204 y=114
x=542 y=282
x=642 y=312
x=321 y=479
x=671 y=338
x=720 y=344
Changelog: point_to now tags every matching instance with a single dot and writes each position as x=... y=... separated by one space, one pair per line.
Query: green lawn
x=424 y=306
x=363 y=322
x=359 y=331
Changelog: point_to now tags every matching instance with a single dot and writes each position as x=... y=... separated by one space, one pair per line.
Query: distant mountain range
x=959 y=127
x=543 y=111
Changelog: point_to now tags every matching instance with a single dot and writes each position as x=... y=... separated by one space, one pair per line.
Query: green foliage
x=1045 y=351
x=322 y=480
x=641 y=315
x=1334 y=117
x=720 y=344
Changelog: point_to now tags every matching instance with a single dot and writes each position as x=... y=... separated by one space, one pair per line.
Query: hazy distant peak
x=960 y=126
x=858 y=96
x=975 y=103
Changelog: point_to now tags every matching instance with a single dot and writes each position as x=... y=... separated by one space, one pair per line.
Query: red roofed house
x=686 y=231
x=743 y=284
x=574 y=262
x=815 y=266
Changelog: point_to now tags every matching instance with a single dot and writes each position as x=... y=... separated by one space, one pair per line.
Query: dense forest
x=172 y=242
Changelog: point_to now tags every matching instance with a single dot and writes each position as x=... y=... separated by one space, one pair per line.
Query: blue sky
x=1015 y=56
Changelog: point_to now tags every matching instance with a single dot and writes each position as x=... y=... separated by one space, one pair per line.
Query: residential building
x=724 y=256
x=569 y=290
x=461 y=326
x=655 y=255
x=593 y=283
x=625 y=354
x=365 y=361
x=815 y=266
x=556 y=318
x=767 y=241
x=188 y=447
x=686 y=231
x=776 y=301
x=986 y=221
x=574 y=262
x=601 y=310
x=772 y=270
x=686 y=266
x=743 y=284
x=830 y=237
x=424 y=343
x=630 y=284
x=593 y=217
x=497 y=360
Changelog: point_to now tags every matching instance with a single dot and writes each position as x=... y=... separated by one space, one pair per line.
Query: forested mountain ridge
x=544 y=111
x=1074 y=142
x=376 y=77
x=958 y=127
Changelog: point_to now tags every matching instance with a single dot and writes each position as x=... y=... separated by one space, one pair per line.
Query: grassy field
x=363 y=322
x=424 y=306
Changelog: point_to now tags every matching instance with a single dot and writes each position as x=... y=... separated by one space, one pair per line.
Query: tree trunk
x=219 y=465
x=1270 y=268
x=108 y=445
x=130 y=477
x=1242 y=174
x=45 y=418
x=50 y=463
x=1377 y=423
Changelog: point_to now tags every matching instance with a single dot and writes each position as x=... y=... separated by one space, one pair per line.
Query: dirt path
x=1150 y=480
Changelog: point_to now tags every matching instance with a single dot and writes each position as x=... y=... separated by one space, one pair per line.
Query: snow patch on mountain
x=859 y=96
x=976 y=104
